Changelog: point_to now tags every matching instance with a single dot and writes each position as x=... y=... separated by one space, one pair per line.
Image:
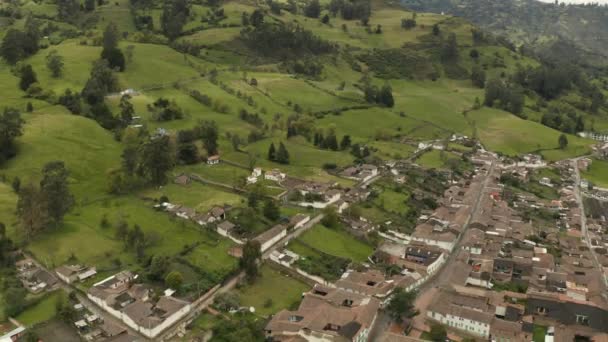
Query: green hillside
x=325 y=88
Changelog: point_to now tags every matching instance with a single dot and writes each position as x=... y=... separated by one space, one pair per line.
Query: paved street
x=584 y=230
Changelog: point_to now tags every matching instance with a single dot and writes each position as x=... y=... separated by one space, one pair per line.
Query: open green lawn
x=369 y=124
x=431 y=159
x=83 y=236
x=197 y=196
x=272 y=292
x=222 y=172
x=88 y=150
x=392 y=201
x=306 y=161
x=503 y=132
x=388 y=150
x=78 y=60
x=337 y=242
x=41 y=311
x=597 y=173
x=213 y=257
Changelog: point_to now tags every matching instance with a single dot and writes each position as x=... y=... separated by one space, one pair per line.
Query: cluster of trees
x=18 y=44
x=504 y=95
x=563 y=118
x=11 y=127
x=360 y=152
x=330 y=141
x=133 y=239
x=145 y=160
x=284 y=41
x=252 y=118
x=101 y=82
x=111 y=52
x=174 y=16
x=252 y=253
x=351 y=9
x=308 y=67
x=44 y=206
x=280 y=156
x=382 y=96
x=478 y=76
x=165 y=110
x=68 y=10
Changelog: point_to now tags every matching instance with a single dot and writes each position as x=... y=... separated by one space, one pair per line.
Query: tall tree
x=271 y=210
x=272 y=152
x=156 y=160
x=32 y=210
x=401 y=305
x=449 y=50
x=11 y=127
x=209 y=133
x=282 y=154
x=345 y=142
x=385 y=96
x=249 y=262
x=101 y=82
x=312 y=9
x=126 y=110
x=67 y=10
x=478 y=76
x=12 y=46
x=111 y=37
x=32 y=33
x=28 y=77
x=562 y=141
x=54 y=185
x=174 y=16
x=54 y=62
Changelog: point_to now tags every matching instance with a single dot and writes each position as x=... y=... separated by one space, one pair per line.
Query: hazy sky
x=579 y=1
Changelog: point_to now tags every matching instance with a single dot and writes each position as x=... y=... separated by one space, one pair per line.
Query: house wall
x=65 y=279
x=479 y=282
x=274 y=240
x=431 y=242
x=301 y=223
x=320 y=205
x=143 y=330
x=465 y=324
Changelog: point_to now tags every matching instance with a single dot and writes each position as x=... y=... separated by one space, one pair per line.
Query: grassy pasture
x=198 y=196
x=272 y=287
x=88 y=150
x=597 y=173
x=337 y=242
x=41 y=311
x=502 y=132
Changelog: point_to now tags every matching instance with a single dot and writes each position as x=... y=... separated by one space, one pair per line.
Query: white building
x=268 y=238
x=467 y=313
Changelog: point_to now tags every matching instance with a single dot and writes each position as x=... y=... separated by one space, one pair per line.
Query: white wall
x=274 y=240
x=470 y=326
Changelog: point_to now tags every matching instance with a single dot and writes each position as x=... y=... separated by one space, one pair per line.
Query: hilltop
x=575 y=30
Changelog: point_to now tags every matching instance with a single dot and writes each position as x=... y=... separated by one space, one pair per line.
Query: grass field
x=213 y=258
x=279 y=290
x=337 y=242
x=41 y=311
x=597 y=173
x=83 y=236
x=431 y=159
x=392 y=201
x=88 y=150
x=197 y=196
x=508 y=134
